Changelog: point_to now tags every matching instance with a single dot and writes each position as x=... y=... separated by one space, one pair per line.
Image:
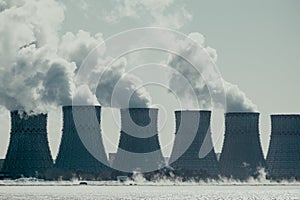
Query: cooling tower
x=81 y=148
x=28 y=153
x=193 y=131
x=283 y=157
x=139 y=148
x=242 y=153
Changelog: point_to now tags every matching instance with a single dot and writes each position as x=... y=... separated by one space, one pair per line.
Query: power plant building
x=81 y=148
x=193 y=138
x=28 y=153
x=139 y=147
x=139 y=150
x=242 y=154
x=283 y=157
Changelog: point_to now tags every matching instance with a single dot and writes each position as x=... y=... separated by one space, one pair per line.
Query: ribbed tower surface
x=241 y=153
x=283 y=157
x=28 y=153
x=192 y=133
x=81 y=148
x=139 y=148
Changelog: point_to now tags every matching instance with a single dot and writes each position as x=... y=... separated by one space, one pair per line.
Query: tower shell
x=28 y=152
x=81 y=148
x=242 y=154
x=193 y=134
x=283 y=158
x=139 y=147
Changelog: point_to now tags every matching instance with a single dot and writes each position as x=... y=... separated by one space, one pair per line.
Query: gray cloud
x=37 y=67
x=75 y=47
x=117 y=89
x=57 y=84
x=30 y=68
x=236 y=100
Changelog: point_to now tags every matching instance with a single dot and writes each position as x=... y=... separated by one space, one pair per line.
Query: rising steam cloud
x=236 y=100
x=30 y=69
x=111 y=87
x=38 y=67
x=117 y=89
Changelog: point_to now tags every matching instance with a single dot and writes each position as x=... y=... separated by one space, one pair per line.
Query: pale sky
x=257 y=44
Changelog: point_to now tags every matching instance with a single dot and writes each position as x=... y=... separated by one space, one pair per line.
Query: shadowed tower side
x=139 y=148
x=28 y=153
x=81 y=147
x=241 y=153
x=283 y=157
x=193 y=131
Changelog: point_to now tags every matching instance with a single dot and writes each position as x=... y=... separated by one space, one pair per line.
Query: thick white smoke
x=75 y=47
x=236 y=100
x=102 y=81
x=37 y=67
x=32 y=75
x=116 y=88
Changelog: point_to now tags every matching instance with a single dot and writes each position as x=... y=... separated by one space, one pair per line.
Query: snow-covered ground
x=148 y=192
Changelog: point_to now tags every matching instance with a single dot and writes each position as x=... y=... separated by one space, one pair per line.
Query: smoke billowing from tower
x=241 y=152
x=283 y=157
x=193 y=131
x=139 y=147
x=81 y=147
x=28 y=153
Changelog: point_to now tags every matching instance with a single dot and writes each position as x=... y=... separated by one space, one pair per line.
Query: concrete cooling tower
x=28 y=153
x=242 y=153
x=192 y=132
x=139 y=148
x=283 y=157
x=81 y=148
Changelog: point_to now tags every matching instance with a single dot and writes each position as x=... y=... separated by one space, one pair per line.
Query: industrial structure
x=242 y=154
x=139 y=148
x=28 y=153
x=283 y=157
x=82 y=151
x=193 y=138
x=81 y=148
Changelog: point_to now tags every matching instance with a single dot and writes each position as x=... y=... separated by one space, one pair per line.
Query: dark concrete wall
x=28 y=153
x=283 y=157
x=192 y=127
x=139 y=147
x=1 y=163
x=81 y=147
x=241 y=153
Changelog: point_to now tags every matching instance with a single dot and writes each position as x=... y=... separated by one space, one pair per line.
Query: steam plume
x=112 y=80
x=30 y=68
x=37 y=67
x=236 y=100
